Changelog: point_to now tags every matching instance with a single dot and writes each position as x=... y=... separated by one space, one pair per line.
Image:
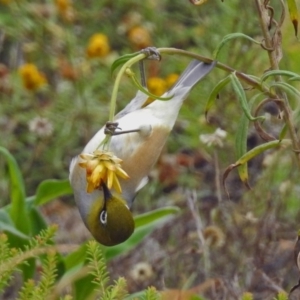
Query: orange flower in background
x=5 y=2
x=171 y=79
x=63 y=5
x=65 y=9
x=139 y=37
x=67 y=70
x=157 y=85
x=98 y=46
x=32 y=78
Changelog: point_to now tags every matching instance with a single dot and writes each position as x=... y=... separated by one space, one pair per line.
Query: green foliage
x=151 y=294
x=75 y=103
x=247 y=296
x=14 y=258
x=281 y=296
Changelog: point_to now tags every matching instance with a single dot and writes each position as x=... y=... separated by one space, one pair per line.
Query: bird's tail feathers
x=194 y=72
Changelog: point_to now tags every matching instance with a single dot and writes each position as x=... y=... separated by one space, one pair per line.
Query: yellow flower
x=5 y=2
x=32 y=78
x=139 y=37
x=171 y=79
x=156 y=85
x=98 y=46
x=63 y=5
x=102 y=167
x=65 y=9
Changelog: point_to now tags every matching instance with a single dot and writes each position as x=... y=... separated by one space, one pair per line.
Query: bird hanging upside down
x=144 y=131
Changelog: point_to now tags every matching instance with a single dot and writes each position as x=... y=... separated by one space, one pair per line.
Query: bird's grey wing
x=135 y=104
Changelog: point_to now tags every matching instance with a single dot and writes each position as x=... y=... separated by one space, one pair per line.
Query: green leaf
x=7 y=225
x=155 y=215
x=122 y=60
x=229 y=37
x=213 y=95
x=28 y=269
x=241 y=146
x=51 y=189
x=150 y=223
x=17 y=209
x=287 y=87
x=37 y=220
x=283 y=132
x=239 y=90
x=295 y=78
x=293 y=10
x=278 y=73
x=258 y=150
x=84 y=287
x=251 y=154
x=76 y=257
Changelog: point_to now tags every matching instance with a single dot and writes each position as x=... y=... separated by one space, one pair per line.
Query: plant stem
x=271 y=48
x=113 y=101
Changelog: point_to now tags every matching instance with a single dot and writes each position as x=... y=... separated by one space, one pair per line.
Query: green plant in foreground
x=47 y=285
x=20 y=220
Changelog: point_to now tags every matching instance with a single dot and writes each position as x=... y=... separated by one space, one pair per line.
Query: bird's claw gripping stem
x=111 y=127
x=151 y=53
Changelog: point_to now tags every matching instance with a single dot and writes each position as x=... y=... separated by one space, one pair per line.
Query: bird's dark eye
x=103 y=217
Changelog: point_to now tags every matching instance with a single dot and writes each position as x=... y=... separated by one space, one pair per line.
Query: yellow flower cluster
x=139 y=37
x=171 y=79
x=32 y=78
x=158 y=86
x=98 y=46
x=102 y=167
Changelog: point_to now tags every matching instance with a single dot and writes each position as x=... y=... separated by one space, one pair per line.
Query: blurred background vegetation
x=55 y=87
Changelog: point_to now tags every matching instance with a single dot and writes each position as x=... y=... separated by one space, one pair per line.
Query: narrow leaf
x=287 y=87
x=154 y=215
x=278 y=73
x=258 y=150
x=138 y=236
x=17 y=209
x=239 y=90
x=283 y=132
x=293 y=10
x=214 y=93
x=251 y=154
x=51 y=189
x=241 y=146
x=232 y=36
x=122 y=60
x=7 y=225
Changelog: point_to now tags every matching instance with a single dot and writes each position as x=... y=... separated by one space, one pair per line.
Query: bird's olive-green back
x=119 y=224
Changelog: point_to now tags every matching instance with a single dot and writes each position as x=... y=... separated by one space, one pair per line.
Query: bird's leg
x=151 y=53
x=142 y=73
x=111 y=127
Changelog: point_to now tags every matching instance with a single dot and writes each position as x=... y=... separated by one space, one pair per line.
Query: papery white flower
x=141 y=271
x=42 y=127
x=214 y=139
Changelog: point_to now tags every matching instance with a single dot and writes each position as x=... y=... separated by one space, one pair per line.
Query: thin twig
x=191 y=198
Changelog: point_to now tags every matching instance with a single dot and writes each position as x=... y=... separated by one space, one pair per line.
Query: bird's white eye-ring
x=103 y=217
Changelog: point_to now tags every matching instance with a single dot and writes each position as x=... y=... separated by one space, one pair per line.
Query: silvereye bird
x=144 y=131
